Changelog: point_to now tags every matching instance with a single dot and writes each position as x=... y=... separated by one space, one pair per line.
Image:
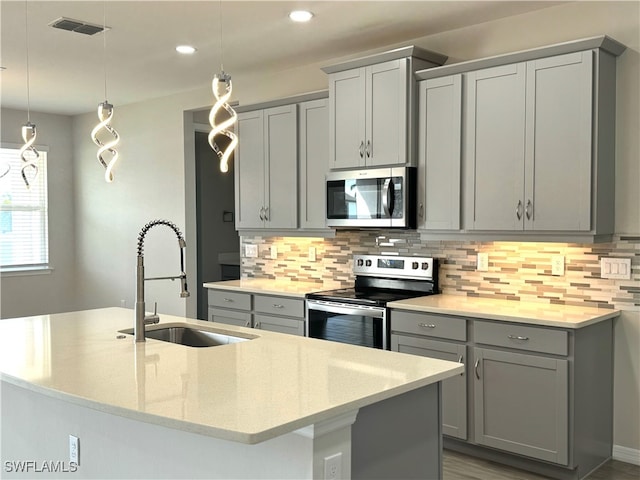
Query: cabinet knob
x=519 y=210
x=529 y=210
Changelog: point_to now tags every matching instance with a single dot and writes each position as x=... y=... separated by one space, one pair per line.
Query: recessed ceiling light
x=300 y=15
x=185 y=49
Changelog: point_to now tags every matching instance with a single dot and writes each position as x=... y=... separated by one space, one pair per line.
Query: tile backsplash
x=517 y=270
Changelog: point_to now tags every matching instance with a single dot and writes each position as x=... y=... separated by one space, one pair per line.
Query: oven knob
x=368 y=263
x=425 y=266
x=414 y=265
x=360 y=262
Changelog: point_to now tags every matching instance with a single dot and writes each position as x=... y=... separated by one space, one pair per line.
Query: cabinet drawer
x=231 y=317
x=534 y=339
x=227 y=299
x=439 y=326
x=290 y=307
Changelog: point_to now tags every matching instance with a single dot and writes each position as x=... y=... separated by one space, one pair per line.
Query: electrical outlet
x=333 y=467
x=557 y=265
x=251 y=251
x=483 y=262
x=274 y=252
x=312 y=254
x=74 y=450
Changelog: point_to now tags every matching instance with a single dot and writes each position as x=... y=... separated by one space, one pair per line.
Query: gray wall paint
x=54 y=292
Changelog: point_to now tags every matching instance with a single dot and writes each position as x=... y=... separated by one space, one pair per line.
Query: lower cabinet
x=521 y=404
x=265 y=312
x=539 y=397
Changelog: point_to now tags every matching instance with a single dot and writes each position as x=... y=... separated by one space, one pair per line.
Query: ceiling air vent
x=77 y=26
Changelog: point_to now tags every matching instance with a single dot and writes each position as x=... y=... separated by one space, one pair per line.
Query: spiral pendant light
x=28 y=152
x=222 y=103
x=107 y=153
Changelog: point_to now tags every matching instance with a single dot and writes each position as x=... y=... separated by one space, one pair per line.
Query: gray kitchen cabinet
x=528 y=145
x=522 y=404
x=313 y=131
x=439 y=145
x=537 y=145
x=425 y=334
x=372 y=108
x=266 y=169
x=534 y=397
x=266 y=312
x=368 y=115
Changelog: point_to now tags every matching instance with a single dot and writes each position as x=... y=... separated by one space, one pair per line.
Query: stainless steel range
x=359 y=315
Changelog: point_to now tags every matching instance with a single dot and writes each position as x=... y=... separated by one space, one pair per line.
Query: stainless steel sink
x=189 y=336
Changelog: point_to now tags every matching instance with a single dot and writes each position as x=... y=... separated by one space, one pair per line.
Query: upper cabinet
x=281 y=162
x=528 y=141
x=372 y=108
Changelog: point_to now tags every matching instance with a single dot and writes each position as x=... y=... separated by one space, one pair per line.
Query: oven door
x=346 y=323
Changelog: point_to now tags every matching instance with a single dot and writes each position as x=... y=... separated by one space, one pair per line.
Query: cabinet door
x=346 y=118
x=279 y=324
x=558 y=156
x=521 y=404
x=281 y=181
x=454 y=389
x=249 y=170
x=494 y=148
x=313 y=134
x=439 y=140
x=386 y=113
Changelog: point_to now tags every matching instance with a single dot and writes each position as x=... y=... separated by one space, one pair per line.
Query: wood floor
x=462 y=467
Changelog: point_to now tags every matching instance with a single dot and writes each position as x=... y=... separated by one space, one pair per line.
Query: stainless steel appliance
x=382 y=197
x=359 y=315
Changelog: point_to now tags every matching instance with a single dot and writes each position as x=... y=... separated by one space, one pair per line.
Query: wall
x=32 y=294
x=521 y=271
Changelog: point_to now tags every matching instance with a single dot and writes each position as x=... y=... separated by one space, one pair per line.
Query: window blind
x=24 y=232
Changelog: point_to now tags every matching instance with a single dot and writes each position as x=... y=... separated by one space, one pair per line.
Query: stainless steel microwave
x=381 y=197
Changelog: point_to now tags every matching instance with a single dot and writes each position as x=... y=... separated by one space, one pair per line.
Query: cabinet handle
x=277 y=305
x=227 y=299
x=421 y=210
x=262 y=214
x=461 y=360
x=529 y=210
x=257 y=325
x=426 y=325
x=248 y=324
x=518 y=337
x=475 y=367
x=266 y=213
x=519 y=210
x=368 y=148
x=361 y=149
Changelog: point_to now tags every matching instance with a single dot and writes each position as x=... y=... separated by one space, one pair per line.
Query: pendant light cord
x=104 y=45
x=220 y=18
x=26 y=29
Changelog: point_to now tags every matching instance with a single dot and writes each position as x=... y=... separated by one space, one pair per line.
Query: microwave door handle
x=387 y=201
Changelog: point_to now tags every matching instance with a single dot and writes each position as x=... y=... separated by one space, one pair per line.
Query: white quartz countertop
x=564 y=316
x=272 y=287
x=245 y=392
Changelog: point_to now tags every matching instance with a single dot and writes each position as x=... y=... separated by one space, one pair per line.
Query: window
x=24 y=225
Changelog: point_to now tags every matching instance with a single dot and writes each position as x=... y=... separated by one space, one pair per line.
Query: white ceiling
x=67 y=70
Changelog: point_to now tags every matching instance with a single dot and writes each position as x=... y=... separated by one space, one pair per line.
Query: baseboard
x=624 y=454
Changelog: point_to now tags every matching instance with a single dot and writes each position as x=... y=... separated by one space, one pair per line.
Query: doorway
x=217 y=240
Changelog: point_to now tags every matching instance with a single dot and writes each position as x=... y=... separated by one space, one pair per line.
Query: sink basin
x=189 y=336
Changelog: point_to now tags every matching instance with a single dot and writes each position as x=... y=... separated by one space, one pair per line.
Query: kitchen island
x=274 y=406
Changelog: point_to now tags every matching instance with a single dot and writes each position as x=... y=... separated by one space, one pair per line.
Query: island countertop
x=534 y=313
x=246 y=392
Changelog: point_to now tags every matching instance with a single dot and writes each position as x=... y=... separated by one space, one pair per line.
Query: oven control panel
x=394 y=267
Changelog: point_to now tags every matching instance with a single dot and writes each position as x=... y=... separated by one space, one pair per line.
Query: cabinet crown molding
x=403 y=52
x=602 y=42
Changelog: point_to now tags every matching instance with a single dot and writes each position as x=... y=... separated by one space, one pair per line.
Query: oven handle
x=345 y=309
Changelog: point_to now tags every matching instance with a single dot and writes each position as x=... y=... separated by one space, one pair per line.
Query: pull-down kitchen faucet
x=140 y=318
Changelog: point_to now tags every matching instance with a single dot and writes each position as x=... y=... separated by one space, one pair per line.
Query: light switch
x=616 y=268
